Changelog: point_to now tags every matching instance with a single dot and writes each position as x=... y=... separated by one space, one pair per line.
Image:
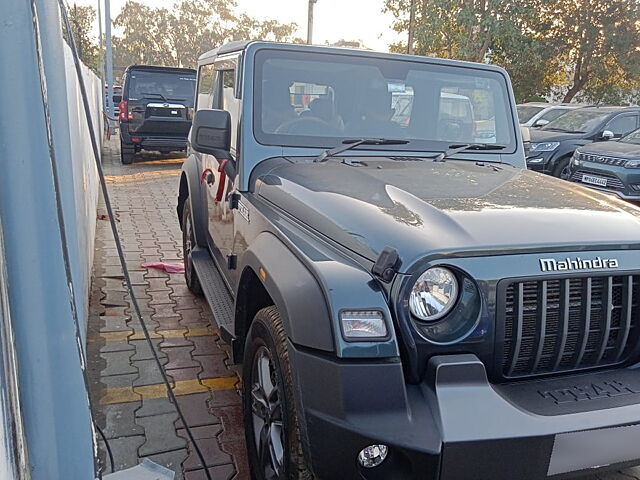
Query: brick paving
x=129 y=402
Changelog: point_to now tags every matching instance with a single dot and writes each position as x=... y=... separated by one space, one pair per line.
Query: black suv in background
x=553 y=145
x=612 y=166
x=155 y=111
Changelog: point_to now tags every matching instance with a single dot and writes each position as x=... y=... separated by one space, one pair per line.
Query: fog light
x=372 y=456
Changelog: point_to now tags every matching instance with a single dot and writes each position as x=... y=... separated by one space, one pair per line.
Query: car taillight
x=124 y=112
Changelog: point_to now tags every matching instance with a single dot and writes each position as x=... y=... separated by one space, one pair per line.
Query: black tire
x=266 y=351
x=126 y=153
x=188 y=243
x=561 y=170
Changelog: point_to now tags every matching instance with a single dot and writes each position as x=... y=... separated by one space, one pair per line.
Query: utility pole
x=107 y=24
x=412 y=27
x=310 y=22
x=101 y=54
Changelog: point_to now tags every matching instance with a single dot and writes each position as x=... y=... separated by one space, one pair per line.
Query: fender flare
x=294 y=290
x=190 y=187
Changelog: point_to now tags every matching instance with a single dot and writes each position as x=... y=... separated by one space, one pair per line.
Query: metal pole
x=101 y=54
x=107 y=29
x=310 y=22
x=412 y=27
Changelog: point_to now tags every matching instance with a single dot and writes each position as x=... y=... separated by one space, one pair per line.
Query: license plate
x=593 y=449
x=602 y=182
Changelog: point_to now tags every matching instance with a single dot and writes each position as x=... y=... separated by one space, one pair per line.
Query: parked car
x=156 y=108
x=405 y=306
x=539 y=114
x=116 y=98
x=610 y=166
x=552 y=146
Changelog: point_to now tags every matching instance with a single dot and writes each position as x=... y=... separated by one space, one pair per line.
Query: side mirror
x=541 y=123
x=211 y=132
x=607 y=135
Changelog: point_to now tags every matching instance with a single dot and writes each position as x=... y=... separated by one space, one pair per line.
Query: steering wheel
x=307 y=126
x=451 y=130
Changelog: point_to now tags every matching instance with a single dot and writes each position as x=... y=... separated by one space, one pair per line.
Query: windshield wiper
x=350 y=143
x=453 y=149
x=157 y=94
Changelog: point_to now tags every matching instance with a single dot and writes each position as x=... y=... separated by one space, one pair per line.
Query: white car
x=538 y=114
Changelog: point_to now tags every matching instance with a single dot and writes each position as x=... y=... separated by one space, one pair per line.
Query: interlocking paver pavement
x=136 y=417
x=129 y=401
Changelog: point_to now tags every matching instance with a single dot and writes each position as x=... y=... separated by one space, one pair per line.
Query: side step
x=215 y=291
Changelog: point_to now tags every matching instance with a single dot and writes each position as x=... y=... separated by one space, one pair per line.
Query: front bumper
x=542 y=162
x=620 y=180
x=456 y=425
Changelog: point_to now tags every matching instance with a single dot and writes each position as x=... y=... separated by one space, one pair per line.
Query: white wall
x=85 y=175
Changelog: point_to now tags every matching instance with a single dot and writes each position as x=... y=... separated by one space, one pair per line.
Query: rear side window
x=206 y=76
x=162 y=86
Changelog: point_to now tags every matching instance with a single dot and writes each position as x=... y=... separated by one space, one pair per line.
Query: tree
x=81 y=20
x=178 y=36
x=589 y=48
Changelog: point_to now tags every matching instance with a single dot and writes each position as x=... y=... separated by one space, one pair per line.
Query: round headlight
x=433 y=294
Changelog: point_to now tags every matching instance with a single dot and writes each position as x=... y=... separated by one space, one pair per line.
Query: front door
x=221 y=217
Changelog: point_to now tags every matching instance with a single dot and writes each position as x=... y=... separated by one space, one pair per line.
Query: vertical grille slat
x=627 y=312
x=519 y=301
x=586 y=316
x=541 y=323
x=558 y=325
x=607 y=308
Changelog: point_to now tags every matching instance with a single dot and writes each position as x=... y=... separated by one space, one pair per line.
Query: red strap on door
x=223 y=180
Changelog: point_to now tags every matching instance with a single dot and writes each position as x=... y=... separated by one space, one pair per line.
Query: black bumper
x=153 y=142
x=456 y=425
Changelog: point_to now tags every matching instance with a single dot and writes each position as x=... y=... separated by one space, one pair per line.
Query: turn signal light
x=124 y=111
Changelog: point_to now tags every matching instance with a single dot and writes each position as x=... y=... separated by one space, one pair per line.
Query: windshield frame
x=296 y=141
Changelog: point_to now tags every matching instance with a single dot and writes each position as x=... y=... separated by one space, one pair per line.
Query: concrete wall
x=85 y=175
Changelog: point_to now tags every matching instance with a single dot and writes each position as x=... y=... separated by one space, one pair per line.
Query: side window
x=553 y=114
x=227 y=101
x=205 y=87
x=622 y=125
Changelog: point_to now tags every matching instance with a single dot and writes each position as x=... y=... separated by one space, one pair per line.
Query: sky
x=361 y=20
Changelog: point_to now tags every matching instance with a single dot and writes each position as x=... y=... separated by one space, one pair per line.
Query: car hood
x=420 y=207
x=617 y=149
x=538 y=135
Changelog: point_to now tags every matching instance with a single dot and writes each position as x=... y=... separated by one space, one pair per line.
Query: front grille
x=559 y=325
x=613 y=182
x=603 y=159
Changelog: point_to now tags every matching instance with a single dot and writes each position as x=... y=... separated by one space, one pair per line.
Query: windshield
x=577 y=121
x=318 y=100
x=526 y=112
x=633 y=137
x=162 y=86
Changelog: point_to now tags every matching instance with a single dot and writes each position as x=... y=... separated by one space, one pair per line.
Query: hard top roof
x=159 y=68
x=238 y=46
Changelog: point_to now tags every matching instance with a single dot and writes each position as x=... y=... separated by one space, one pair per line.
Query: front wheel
x=188 y=244
x=562 y=169
x=271 y=424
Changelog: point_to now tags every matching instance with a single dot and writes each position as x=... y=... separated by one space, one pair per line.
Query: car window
x=164 y=86
x=633 y=137
x=320 y=99
x=577 y=121
x=622 y=125
x=526 y=112
x=205 y=86
x=229 y=102
x=553 y=114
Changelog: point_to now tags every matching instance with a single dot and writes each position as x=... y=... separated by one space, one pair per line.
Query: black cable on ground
x=109 y=452
x=114 y=230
